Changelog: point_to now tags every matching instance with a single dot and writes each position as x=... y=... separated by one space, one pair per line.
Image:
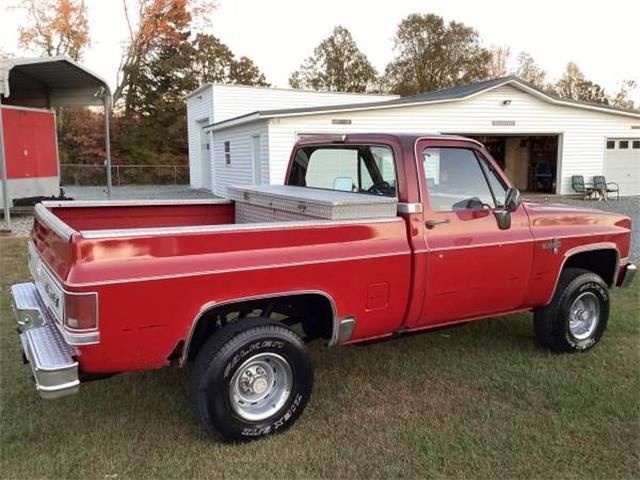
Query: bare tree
x=621 y=98
x=4 y=54
x=497 y=66
x=574 y=85
x=529 y=71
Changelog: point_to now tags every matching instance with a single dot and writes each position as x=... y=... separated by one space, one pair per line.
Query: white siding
x=583 y=131
x=199 y=113
x=231 y=101
x=214 y=103
x=240 y=171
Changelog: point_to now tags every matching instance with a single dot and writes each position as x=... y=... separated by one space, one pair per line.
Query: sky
x=603 y=38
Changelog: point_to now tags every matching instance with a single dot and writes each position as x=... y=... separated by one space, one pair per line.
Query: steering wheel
x=380 y=187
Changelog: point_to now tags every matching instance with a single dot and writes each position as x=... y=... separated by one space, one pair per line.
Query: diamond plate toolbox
x=286 y=202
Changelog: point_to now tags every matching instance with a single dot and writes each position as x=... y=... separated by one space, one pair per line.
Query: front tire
x=252 y=378
x=577 y=317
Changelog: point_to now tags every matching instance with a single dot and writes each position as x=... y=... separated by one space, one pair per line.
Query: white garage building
x=540 y=140
x=216 y=103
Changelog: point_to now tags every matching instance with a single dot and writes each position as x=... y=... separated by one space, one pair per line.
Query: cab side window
x=456 y=180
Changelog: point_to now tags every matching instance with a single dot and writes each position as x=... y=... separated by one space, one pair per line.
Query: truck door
x=474 y=267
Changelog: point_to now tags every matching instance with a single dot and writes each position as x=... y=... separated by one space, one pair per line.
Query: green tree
x=337 y=64
x=156 y=26
x=213 y=61
x=529 y=71
x=432 y=55
x=154 y=126
x=245 y=72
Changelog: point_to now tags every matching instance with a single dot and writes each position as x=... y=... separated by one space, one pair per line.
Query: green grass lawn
x=478 y=401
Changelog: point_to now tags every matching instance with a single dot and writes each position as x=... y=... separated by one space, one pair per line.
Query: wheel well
x=601 y=262
x=309 y=314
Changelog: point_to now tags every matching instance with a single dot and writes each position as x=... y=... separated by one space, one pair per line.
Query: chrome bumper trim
x=26 y=306
x=55 y=371
x=629 y=272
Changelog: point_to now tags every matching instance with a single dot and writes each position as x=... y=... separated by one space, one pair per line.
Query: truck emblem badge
x=553 y=245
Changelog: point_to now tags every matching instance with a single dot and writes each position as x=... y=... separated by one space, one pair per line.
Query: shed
x=539 y=139
x=35 y=86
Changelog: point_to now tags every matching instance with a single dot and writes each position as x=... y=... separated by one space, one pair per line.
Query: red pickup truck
x=124 y=286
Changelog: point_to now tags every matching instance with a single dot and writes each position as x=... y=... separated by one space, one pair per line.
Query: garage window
x=624 y=144
x=611 y=144
x=636 y=144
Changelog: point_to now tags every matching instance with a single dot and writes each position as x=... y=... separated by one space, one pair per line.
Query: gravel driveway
x=135 y=192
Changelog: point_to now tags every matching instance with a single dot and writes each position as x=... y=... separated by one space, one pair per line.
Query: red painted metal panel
x=474 y=268
x=389 y=275
x=30 y=143
x=145 y=216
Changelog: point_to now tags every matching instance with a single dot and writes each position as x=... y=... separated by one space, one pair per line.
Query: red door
x=474 y=267
x=29 y=143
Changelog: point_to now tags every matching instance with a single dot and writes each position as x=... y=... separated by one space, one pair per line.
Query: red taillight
x=624 y=223
x=81 y=311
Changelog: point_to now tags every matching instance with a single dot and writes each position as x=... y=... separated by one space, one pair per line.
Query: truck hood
x=556 y=214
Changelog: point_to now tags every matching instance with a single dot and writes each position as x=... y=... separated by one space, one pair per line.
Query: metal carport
x=51 y=82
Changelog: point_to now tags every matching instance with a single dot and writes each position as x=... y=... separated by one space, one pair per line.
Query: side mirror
x=512 y=199
x=344 y=184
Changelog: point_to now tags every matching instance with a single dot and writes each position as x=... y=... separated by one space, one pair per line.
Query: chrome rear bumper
x=54 y=368
x=627 y=275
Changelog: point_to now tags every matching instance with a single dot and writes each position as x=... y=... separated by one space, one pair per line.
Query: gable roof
x=438 y=96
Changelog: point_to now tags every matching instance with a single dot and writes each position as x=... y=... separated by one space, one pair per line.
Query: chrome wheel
x=261 y=386
x=584 y=315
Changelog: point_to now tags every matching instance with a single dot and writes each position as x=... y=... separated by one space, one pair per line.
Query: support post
x=5 y=178
x=106 y=98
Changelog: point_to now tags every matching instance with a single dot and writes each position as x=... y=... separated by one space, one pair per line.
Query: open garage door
x=622 y=164
x=530 y=161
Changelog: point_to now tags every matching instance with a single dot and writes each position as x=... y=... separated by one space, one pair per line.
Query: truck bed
x=109 y=215
x=195 y=248
x=88 y=241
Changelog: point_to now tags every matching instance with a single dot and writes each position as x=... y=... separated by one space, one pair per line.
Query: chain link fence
x=87 y=175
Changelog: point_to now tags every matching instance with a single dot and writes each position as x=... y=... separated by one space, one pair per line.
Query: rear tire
x=577 y=317
x=252 y=378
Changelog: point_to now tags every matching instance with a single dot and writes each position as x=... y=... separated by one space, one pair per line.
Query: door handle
x=432 y=223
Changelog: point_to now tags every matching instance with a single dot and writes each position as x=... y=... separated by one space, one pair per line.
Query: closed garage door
x=622 y=164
